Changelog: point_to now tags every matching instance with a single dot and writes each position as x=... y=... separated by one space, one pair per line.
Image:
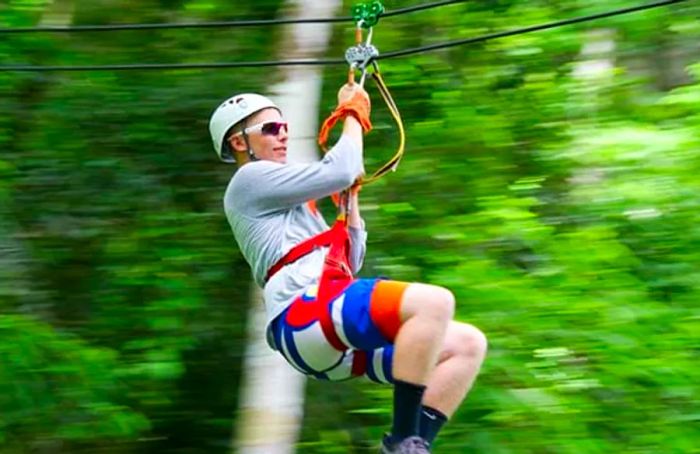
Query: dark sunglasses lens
x=273 y=128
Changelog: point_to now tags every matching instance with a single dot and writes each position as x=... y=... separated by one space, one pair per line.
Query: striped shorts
x=365 y=317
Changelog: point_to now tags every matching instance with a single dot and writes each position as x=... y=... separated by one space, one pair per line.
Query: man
x=324 y=322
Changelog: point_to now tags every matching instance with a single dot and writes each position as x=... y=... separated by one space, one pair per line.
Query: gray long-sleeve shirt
x=265 y=204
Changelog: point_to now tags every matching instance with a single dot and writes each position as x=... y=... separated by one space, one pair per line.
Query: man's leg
x=458 y=365
x=425 y=313
x=418 y=317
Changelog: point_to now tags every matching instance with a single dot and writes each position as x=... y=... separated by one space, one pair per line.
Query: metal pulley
x=361 y=55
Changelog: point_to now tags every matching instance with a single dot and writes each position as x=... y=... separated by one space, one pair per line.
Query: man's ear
x=237 y=143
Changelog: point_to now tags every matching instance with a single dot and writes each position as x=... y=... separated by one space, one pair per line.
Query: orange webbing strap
x=358 y=107
x=358 y=41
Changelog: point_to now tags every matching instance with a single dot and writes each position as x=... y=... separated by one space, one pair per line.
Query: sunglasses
x=268 y=128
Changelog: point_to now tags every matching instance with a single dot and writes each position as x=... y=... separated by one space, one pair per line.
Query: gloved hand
x=352 y=100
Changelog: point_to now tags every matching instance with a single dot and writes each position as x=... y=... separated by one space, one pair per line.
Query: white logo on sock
x=433 y=417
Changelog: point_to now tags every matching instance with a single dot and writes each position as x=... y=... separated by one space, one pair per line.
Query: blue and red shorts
x=365 y=316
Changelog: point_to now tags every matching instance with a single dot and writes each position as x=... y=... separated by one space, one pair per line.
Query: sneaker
x=410 y=445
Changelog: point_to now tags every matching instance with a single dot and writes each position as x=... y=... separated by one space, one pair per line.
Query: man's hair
x=235 y=129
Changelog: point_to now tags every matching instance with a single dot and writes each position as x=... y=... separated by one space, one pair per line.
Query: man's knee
x=428 y=301
x=471 y=341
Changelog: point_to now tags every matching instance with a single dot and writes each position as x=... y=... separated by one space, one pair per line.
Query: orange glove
x=357 y=106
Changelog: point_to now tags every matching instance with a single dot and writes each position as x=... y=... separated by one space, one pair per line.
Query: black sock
x=431 y=421
x=407 y=405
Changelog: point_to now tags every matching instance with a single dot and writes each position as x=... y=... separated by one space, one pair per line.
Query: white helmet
x=229 y=113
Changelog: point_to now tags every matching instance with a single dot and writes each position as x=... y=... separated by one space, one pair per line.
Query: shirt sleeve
x=271 y=186
x=358 y=246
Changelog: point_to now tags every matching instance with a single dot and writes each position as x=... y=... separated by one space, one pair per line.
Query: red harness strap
x=302 y=249
x=336 y=275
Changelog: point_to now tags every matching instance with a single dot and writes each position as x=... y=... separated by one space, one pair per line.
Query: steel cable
x=217 y=24
x=338 y=61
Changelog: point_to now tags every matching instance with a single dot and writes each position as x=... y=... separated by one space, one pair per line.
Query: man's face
x=266 y=138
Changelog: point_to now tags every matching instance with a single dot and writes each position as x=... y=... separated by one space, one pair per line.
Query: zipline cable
x=308 y=62
x=412 y=9
x=520 y=31
x=218 y=24
x=177 y=66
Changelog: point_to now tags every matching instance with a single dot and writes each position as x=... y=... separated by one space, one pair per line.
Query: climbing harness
x=337 y=273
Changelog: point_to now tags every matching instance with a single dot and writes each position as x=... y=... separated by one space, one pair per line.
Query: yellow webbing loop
x=392 y=163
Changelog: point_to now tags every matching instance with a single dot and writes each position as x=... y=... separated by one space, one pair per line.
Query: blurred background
x=550 y=180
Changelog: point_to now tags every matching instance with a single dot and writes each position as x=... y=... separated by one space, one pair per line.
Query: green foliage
x=70 y=383
x=559 y=205
x=112 y=231
x=559 y=208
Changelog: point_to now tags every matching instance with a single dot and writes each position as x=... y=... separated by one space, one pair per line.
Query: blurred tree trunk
x=272 y=397
x=58 y=13
x=669 y=64
x=595 y=68
x=594 y=71
x=16 y=260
